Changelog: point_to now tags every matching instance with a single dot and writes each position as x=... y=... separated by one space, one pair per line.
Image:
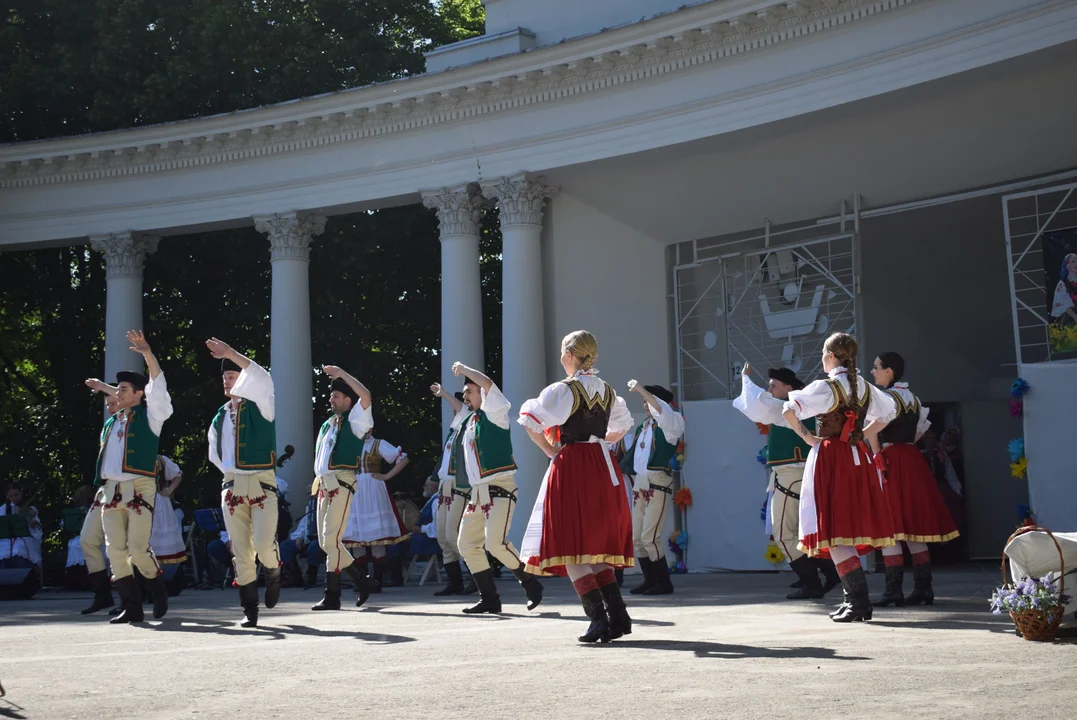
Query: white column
x=125 y=256
x=459 y=213
x=290 y=235
x=521 y=201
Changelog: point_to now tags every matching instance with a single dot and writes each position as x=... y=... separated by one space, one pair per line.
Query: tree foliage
x=76 y=66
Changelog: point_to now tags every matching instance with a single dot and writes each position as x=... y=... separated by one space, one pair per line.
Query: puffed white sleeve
x=158 y=403
x=172 y=470
x=213 y=456
x=256 y=385
x=389 y=452
x=496 y=406
x=551 y=408
x=620 y=417
x=882 y=408
x=361 y=420
x=669 y=421
x=816 y=399
x=757 y=404
x=923 y=425
x=458 y=418
x=1062 y=300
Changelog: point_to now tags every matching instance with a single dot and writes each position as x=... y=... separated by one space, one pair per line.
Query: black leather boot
x=130 y=602
x=619 y=573
x=811 y=588
x=620 y=622
x=272 y=596
x=830 y=573
x=859 y=607
x=663 y=585
x=379 y=575
x=892 y=595
x=292 y=574
x=594 y=607
x=102 y=592
x=396 y=571
x=331 y=599
x=310 y=577
x=248 y=598
x=531 y=585
x=646 y=566
x=455 y=585
x=489 y=600
x=159 y=592
x=471 y=588
x=922 y=591
x=363 y=585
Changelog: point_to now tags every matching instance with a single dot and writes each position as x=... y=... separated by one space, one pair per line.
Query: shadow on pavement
x=276 y=632
x=509 y=616
x=732 y=652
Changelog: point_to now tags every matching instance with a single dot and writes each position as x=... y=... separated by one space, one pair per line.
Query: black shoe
x=489 y=600
x=892 y=594
x=599 y=629
x=310 y=577
x=248 y=598
x=159 y=591
x=797 y=585
x=364 y=586
x=102 y=592
x=471 y=588
x=455 y=585
x=829 y=572
x=619 y=620
x=811 y=588
x=859 y=604
x=115 y=611
x=331 y=599
x=922 y=591
x=131 y=608
x=532 y=587
x=272 y=596
x=662 y=583
x=646 y=566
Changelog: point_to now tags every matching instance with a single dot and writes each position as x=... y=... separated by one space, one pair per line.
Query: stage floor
x=724 y=646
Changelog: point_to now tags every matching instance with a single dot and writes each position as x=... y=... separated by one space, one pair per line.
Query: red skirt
x=849 y=505
x=584 y=517
x=917 y=508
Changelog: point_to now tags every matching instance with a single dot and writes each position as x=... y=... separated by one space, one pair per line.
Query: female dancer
x=843 y=510
x=581 y=525
x=916 y=506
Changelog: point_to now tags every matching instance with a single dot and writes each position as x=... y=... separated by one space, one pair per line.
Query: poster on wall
x=1060 y=269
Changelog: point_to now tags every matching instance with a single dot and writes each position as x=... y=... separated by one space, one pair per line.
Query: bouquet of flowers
x=1035 y=605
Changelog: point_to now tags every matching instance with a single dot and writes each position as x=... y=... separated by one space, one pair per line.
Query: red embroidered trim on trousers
x=921 y=557
x=585 y=584
x=896 y=560
x=605 y=577
x=847 y=566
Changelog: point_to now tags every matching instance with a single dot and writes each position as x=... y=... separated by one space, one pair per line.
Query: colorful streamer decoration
x=683 y=498
x=774 y=554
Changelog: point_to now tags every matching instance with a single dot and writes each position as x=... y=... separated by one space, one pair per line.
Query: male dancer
x=126 y=468
x=243 y=446
x=92 y=536
x=786 y=454
x=451 y=497
x=482 y=451
x=339 y=454
x=649 y=460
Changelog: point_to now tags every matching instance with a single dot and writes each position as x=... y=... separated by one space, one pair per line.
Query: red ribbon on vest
x=849 y=427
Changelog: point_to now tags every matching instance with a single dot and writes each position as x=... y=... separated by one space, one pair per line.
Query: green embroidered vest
x=139 y=445
x=493 y=449
x=784 y=447
x=348 y=449
x=256 y=437
x=661 y=455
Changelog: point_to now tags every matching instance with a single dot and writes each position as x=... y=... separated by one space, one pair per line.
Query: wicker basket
x=1037 y=624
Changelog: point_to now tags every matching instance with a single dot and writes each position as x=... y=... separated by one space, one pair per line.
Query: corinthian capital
x=125 y=253
x=290 y=234
x=459 y=208
x=521 y=199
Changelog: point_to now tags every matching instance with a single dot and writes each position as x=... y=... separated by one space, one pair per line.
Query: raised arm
x=101 y=387
x=447 y=396
x=221 y=350
x=669 y=420
x=459 y=369
x=140 y=345
x=254 y=383
x=334 y=372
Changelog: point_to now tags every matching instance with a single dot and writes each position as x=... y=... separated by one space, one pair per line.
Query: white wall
x=605 y=277
x=555 y=20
